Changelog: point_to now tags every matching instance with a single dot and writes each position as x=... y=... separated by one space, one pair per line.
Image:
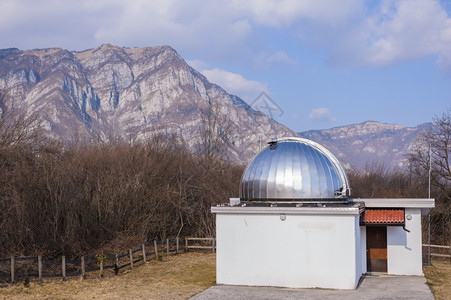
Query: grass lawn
x=439 y=279
x=175 y=277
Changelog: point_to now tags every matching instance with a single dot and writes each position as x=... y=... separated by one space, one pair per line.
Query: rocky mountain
x=129 y=93
x=361 y=145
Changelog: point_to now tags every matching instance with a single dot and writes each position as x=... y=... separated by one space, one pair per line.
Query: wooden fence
x=34 y=266
x=200 y=243
x=439 y=250
x=101 y=262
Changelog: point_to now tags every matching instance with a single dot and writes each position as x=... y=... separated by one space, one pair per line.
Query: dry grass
x=439 y=279
x=175 y=277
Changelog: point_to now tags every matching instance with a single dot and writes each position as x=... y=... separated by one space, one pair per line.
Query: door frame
x=376 y=249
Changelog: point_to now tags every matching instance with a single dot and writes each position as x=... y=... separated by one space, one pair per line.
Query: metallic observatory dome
x=294 y=169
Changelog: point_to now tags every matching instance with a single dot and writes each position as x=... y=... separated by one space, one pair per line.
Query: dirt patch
x=175 y=277
x=439 y=279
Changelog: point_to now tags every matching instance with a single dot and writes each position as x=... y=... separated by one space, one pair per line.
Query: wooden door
x=376 y=249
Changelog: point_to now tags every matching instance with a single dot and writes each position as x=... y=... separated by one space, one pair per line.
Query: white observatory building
x=296 y=226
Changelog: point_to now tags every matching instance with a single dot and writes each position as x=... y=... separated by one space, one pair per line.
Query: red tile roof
x=383 y=216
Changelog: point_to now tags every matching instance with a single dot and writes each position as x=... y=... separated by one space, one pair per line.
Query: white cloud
x=208 y=27
x=264 y=60
x=358 y=33
x=321 y=114
x=279 y=57
x=235 y=83
x=213 y=28
x=286 y=12
x=197 y=64
x=29 y=24
x=396 y=31
x=351 y=32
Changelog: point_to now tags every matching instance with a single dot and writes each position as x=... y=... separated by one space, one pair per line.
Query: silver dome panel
x=294 y=169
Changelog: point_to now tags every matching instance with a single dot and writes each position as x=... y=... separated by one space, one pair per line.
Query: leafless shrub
x=376 y=181
x=432 y=153
x=69 y=200
x=431 y=158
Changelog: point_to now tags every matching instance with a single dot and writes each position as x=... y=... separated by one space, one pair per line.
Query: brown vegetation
x=432 y=152
x=438 y=278
x=431 y=158
x=56 y=199
x=175 y=277
x=377 y=182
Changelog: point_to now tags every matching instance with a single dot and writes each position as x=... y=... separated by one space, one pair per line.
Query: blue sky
x=324 y=63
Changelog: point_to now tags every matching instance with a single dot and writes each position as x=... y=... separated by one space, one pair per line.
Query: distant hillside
x=360 y=145
x=128 y=93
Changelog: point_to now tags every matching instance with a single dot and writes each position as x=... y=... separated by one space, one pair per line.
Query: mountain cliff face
x=132 y=93
x=129 y=93
x=361 y=145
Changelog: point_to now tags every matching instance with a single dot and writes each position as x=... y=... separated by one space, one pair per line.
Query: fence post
x=116 y=264
x=12 y=269
x=144 y=253
x=167 y=246
x=63 y=267
x=83 y=268
x=186 y=244
x=101 y=268
x=40 y=268
x=177 y=249
x=156 y=249
x=214 y=245
x=130 y=253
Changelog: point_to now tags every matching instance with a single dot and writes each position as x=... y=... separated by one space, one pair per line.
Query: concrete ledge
x=424 y=204
x=398 y=202
x=286 y=210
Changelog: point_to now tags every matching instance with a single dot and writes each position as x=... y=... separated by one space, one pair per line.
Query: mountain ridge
x=131 y=93
x=111 y=92
x=363 y=144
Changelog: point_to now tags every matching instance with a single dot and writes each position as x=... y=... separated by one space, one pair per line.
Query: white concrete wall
x=358 y=249
x=404 y=248
x=304 y=251
x=363 y=249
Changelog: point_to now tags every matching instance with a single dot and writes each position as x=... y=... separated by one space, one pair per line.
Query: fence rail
x=98 y=263
x=440 y=247
x=200 y=243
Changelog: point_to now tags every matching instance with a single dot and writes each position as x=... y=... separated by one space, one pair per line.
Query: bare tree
x=16 y=128
x=432 y=153
x=213 y=134
x=377 y=181
x=76 y=198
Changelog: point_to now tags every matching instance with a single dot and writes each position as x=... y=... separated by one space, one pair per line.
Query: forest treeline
x=428 y=173
x=58 y=199
x=376 y=181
